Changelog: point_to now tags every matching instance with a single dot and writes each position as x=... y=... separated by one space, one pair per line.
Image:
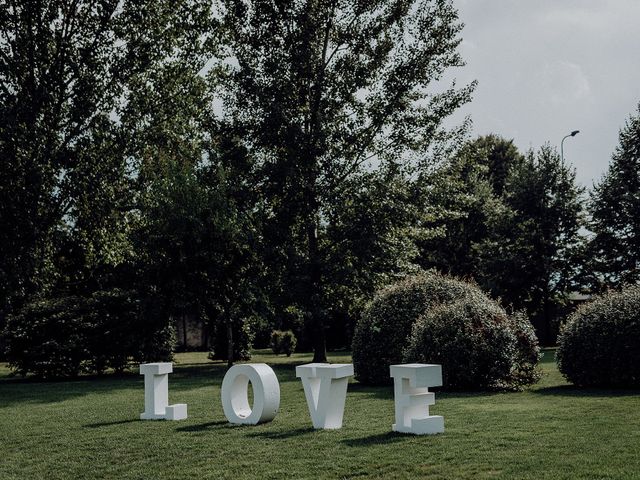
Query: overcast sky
x=547 y=67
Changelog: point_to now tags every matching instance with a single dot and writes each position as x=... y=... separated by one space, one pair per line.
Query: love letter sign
x=325 y=388
x=412 y=398
x=235 y=394
x=156 y=394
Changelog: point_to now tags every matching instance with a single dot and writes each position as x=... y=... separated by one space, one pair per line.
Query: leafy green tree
x=80 y=83
x=321 y=92
x=498 y=155
x=615 y=214
x=460 y=198
x=508 y=221
x=530 y=257
x=198 y=246
x=370 y=240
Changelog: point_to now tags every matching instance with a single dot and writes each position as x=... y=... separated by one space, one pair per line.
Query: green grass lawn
x=89 y=428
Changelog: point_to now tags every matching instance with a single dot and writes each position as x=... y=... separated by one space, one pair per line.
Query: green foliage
x=438 y=319
x=531 y=255
x=198 y=247
x=69 y=335
x=370 y=240
x=242 y=336
x=382 y=333
x=527 y=355
x=477 y=344
x=82 y=85
x=47 y=338
x=599 y=344
x=615 y=214
x=283 y=342
x=509 y=221
x=461 y=199
x=322 y=93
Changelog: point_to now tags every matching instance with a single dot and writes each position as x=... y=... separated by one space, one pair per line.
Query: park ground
x=89 y=428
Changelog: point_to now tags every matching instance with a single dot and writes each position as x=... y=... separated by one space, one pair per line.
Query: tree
x=370 y=240
x=79 y=82
x=615 y=214
x=508 y=221
x=322 y=92
x=530 y=256
x=198 y=245
x=460 y=199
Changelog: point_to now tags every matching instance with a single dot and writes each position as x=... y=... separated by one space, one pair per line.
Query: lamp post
x=572 y=134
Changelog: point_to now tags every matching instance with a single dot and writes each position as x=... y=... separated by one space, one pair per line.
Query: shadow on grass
x=109 y=424
x=12 y=379
x=441 y=395
x=573 y=391
x=283 y=435
x=185 y=377
x=203 y=427
x=377 y=391
x=31 y=391
x=189 y=376
x=379 y=439
x=386 y=392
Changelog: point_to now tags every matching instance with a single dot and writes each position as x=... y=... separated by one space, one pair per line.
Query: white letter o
x=235 y=394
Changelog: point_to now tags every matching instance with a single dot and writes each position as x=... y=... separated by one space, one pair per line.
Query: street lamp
x=572 y=134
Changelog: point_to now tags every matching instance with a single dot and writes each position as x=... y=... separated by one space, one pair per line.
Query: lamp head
x=575 y=132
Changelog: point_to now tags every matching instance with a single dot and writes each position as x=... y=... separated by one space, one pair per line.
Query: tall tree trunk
x=229 y=342
x=313 y=156
x=545 y=329
x=315 y=293
x=184 y=331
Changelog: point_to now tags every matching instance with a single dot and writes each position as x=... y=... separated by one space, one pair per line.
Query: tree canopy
x=88 y=90
x=322 y=93
x=511 y=222
x=615 y=213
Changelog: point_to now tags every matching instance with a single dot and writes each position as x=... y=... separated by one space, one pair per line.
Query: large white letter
x=325 y=387
x=412 y=398
x=156 y=393
x=235 y=394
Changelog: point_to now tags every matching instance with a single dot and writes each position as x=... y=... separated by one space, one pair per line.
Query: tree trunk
x=184 y=332
x=313 y=155
x=545 y=329
x=229 y=343
x=315 y=289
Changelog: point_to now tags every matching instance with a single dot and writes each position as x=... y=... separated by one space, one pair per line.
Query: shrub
x=382 y=332
x=473 y=339
x=47 y=337
x=433 y=318
x=109 y=326
x=526 y=371
x=60 y=337
x=599 y=344
x=283 y=342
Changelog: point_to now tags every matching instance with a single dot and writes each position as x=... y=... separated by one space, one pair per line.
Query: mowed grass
x=89 y=428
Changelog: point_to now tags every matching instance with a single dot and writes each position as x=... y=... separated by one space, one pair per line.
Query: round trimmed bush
x=599 y=344
x=472 y=339
x=432 y=318
x=283 y=342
